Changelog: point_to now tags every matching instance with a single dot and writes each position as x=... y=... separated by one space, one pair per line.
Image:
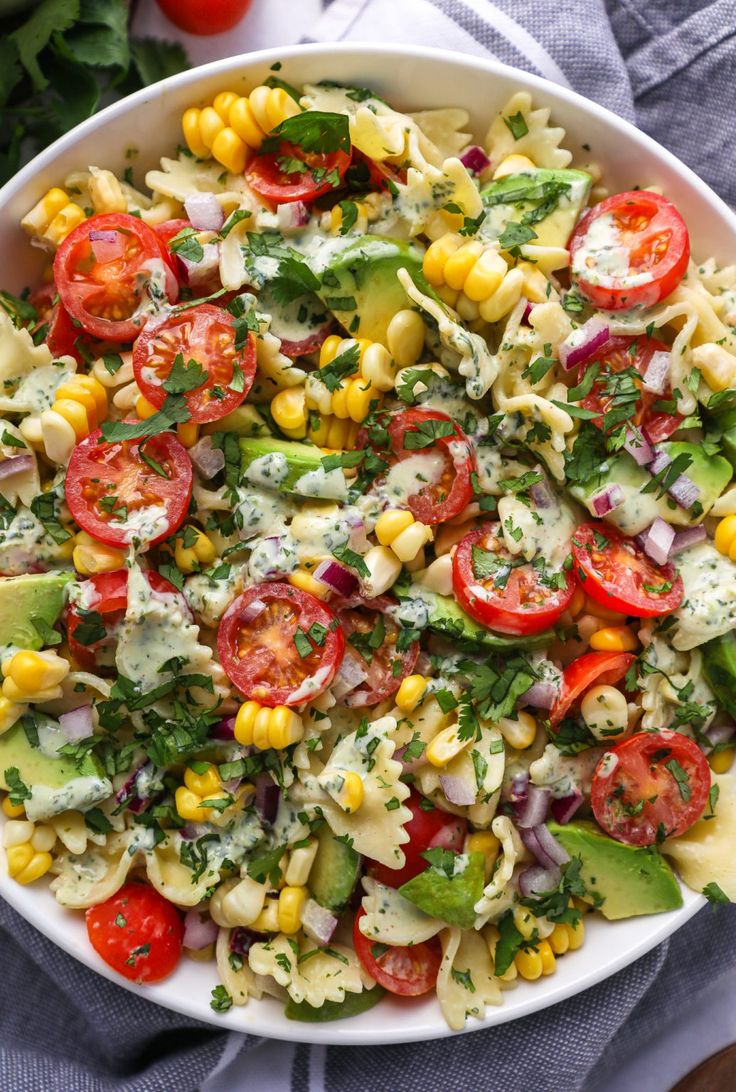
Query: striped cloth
x=665 y=64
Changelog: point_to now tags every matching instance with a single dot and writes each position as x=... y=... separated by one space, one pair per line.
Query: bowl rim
x=344 y=1032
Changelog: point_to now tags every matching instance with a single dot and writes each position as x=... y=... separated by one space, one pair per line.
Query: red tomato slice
x=431 y=477
x=263 y=640
x=385 y=667
x=427 y=828
x=648 y=233
x=528 y=600
x=102 y=270
x=137 y=932
x=106 y=595
x=650 y=787
x=601 y=668
x=206 y=335
x=291 y=174
x=60 y=333
x=108 y=485
x=614 y=571
x=407 y=971
x=620 y=354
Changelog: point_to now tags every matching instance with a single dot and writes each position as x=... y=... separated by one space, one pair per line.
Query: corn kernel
x=10 y=713
x=559 y=940
x=329 y=349
x=547 y=956
x=519 y=732
x=437 y=257
x=300 y=864
x=505 y=299
x=290 y=908
x=716 y=365
x=614 y=639
x=38 y=866
x=203 y=783
x=43 y=212
x=187 y=803
x=445 y=746
x=384 y=569
x=90 y=556
x=144 y=408
x=513 y=164
x=230 y=150
x=268 y=919
x=722 y=761
x=485 y=842
x=289 y=411
x=43 y=839
x=223 y=102
x=244 y=722
x=190 y=128
x=529 y=965
x=405 y=337
x=18 y=858
x=485 y=277
x=391 y=523
x=347 y=790
x=17 y=832
x=576 y=934
x=187 y=433
x=410 y=693
x=243 y=121
x=35 y=671
x=300 y=578
x=525 y=922
x=725 y=537
x=13 y=811
x=407 y=545
x=70 y=217
x=377 y=367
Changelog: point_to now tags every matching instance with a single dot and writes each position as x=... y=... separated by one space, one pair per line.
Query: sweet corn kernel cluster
x=234 y=126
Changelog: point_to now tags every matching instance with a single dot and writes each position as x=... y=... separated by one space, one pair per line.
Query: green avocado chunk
x=631 y=880
x=529 y=194
x=352 y=1005
x=24 y=600
x=719 y=665
x=335 y=871
x=290 y=467
x=711 y=473
x=449 y=897
x=55 y=784
x=243 y=421
x=359 y=284
x=447 y=618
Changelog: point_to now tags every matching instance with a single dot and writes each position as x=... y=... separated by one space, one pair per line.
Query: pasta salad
x=367 y=533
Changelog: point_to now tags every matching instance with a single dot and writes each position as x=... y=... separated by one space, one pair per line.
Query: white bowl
x=412 y=78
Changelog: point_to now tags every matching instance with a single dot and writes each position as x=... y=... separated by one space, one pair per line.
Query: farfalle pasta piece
x=23 y=485
x=444 y=128
x=234 y=971
x=465 y=982
x=480 y=764
x=377 y=827
x=173 y=878
x=389 y=918
x=540 y=141
x=88 y=878
x=309 y=973
x=488 y=906
x=28 y=375
x=704 y=853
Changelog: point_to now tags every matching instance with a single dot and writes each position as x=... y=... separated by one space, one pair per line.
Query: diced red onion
x=224 y=730
x=608 y=499
x=317 y=922
x=97 y=236
x=336 y=577
x=545 y=847
x=528 y=308
x=583 y=342
x=658 y=541
x=450 y=835
x=540 y=695
x=659 y=462
x=475 y=159
x=543 y=495
x=691 y=536
x=413 y=764
x=16 y=464
x=199 y=930
x=253 y=610
x=720 y=733
x=206 y=459
x=684 y=491
x=458 y=790
x=77 y=724
x=350 y=675
x=657 y=373
x=130 y=794
x=267 y=797
x=242 y=940
x=564 y=807
x=191 y=831
x=537 y=880
x=638 y=447
x=518 y=788
x=292 y=216
x=534 y=809
x=204 y=211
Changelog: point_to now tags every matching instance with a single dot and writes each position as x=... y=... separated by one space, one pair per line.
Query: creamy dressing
x=412 y=475
x=146 y=523
x=268 y=470
x=709 y=605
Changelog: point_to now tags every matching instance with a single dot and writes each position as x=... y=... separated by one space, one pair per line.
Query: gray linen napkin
x=667 y=65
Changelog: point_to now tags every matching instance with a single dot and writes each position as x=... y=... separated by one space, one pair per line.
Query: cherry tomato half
x=204 y=16
x=291 y=174
x=631 y=250
x=621 y=354
x=428 y=828
x=58 y=330
x=650 y=787
x=137 y=932
x=407 y=971
x=503 y=592
x=279 y=645
x=102 y=270
x=614 y=571
x=204 y=338
x=601 y=668
x=371 y=639
x=431 y=465
x=115 y=495
x=106 y=595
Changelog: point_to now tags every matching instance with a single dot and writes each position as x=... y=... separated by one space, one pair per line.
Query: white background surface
x=682 y=1044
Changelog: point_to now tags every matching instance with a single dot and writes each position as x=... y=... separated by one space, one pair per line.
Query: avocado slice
x=711 y=473
x=631 y=880
x=38 y=596
x=243 y=421
x=450 y=898
x=509 y=199
x=56 y=784
x=359 y=284
x=719 y=665
x=290 y=467
x=352 y=1005
x=448 y=619
x=335 y=871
